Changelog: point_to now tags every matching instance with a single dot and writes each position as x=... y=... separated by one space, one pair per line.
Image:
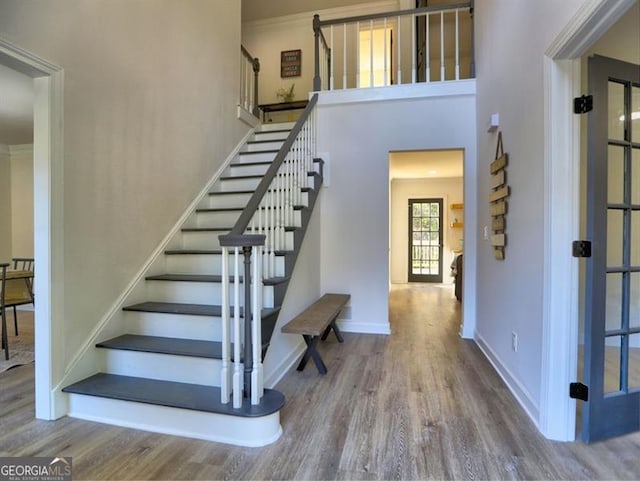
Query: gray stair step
x=274 y=281
x=175 y=252
x=221 y=209
x=187 y=309
x=232 y=192
x=206 y=229
x=253 y=152
x=165 y=345
x=173 y=394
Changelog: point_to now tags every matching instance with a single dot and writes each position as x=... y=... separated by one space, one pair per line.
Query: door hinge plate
x=581 y=248
x=577 y=390
x=583 y=104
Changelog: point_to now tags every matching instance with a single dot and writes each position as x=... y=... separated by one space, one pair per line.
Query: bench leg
x=311 y=352
x=336 y=331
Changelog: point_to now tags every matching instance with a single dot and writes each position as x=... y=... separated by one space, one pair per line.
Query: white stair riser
x=227 y=201
x=282 y=136
x=198 y=292
x=270 y=145
x=165 y=367
x=242 y=169
x=201 y=240
x=182 y=326
x=217 y=219
x=239 y=431
x=275 y=126
x=208 y=264
x=258 y=156
x=232 y=185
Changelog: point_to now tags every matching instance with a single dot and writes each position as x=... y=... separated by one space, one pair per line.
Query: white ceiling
x=425 y=164
x=16 y=107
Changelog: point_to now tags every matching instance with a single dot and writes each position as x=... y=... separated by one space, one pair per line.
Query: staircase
x=165 y=372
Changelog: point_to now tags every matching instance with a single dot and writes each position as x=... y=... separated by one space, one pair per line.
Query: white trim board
x=562 y=209
x=364 y=327
x=48 y=123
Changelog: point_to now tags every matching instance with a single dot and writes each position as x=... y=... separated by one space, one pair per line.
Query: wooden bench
x=316 y=322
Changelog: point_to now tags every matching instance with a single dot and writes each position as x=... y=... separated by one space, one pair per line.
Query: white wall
x=449 y=189
x=355 y=205
x=5 y=203
x=22 y=200
x=150 y=99
x=511 y=38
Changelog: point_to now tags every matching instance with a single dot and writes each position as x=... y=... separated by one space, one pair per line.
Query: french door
x=612 y=310
x=425 y=240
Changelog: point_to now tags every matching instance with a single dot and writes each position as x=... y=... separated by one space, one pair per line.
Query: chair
x=3 y=283
x=20 y=291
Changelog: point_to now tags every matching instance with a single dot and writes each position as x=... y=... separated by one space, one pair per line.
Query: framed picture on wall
x=290 y=63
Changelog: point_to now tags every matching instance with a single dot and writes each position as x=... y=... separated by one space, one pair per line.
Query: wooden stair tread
x=187 y=309
x=220 y=209
x=174 y=252
x=235 y=177
x=186 y=277
x=235 y=192
x=267 y=151
x=173 y=394
x=165 y=345
x=206 y=229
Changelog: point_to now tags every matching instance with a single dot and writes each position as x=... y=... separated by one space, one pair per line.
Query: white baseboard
x=284 y=366
x=26 y=307
x=364 y=327
x=517 y=389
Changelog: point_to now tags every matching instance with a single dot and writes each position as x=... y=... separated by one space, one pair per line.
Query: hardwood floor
x=419 y=404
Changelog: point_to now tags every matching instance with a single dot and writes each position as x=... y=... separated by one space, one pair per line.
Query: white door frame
x=562 y=212
x=48 y=222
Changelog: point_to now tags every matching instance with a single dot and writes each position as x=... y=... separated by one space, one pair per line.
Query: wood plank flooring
x=419 y=404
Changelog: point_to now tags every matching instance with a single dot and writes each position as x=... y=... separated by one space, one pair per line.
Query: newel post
x=256 y=73
x=317 y=81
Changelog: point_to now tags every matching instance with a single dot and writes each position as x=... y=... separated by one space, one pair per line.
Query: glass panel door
x=425 y=240
x=612 y=334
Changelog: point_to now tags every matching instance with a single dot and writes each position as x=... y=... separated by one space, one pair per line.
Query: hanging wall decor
x=290 y=63
x=497 y=200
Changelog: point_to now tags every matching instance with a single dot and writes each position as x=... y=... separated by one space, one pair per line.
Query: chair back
x=22 y=263
x=3 y=281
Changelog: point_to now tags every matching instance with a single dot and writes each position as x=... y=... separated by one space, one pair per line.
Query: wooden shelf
x=457 y=206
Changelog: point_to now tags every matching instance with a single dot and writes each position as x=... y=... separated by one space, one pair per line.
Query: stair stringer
x=303 y=288
x=88 y=360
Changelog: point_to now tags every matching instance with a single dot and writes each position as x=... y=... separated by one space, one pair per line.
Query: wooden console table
x=281 y=107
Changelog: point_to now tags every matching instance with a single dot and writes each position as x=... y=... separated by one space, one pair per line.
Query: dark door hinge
x=582 y=105
x=581 y=248
x=577 y=390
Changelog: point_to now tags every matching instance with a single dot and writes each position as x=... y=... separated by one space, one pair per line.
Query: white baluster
x=413 y=48
x=385 y=83
x=333 y=53
x=344 y=56
x=457 y=46
x=399 y=43
x=225 y=374
x=427 y=54
x=237 y=371
x=256 y=335
x=442 y=77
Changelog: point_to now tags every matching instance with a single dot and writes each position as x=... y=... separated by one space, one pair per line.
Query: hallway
x=419 y=404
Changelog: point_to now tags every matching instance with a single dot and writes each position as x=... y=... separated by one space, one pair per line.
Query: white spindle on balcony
x=372 y=65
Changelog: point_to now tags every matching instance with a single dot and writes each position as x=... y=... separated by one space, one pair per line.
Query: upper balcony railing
x=430 y=44
x=249 y=71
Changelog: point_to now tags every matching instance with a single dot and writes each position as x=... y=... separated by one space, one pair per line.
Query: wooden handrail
x=254 y=202
x=396 y=13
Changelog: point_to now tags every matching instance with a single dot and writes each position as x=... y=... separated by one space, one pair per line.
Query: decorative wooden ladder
x=190 y=360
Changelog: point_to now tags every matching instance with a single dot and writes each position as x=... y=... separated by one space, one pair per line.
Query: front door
x=612 y=310
x=425 y=240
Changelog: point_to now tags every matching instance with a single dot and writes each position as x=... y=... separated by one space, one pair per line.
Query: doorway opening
x=48 y=221
x=426 y=221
